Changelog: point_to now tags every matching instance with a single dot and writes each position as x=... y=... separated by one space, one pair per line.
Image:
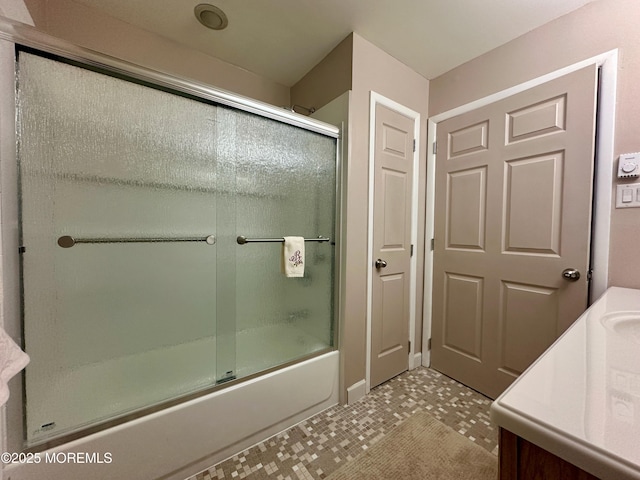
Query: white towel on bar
x=12 y=360
x=293 y=257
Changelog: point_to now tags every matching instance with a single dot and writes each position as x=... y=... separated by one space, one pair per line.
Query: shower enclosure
x=137 y=291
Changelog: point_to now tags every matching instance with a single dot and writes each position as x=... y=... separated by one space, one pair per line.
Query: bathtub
x=180 y=441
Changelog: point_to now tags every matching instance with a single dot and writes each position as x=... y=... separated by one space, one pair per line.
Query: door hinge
x=429 y=344
x=22 y=249
x=435 y=147
x=433 y=244
x=414 y=144
x=412 y=250
x=589 y=275
x=409 y=346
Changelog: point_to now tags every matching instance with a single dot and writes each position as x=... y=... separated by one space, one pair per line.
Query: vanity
x=575 y=412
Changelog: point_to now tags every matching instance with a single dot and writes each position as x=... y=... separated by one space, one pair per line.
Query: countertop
x=581 y=399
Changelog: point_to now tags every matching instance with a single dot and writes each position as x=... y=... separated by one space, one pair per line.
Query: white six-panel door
x=392 y=222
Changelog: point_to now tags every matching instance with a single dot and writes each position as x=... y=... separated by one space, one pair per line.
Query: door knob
x=380 y=263
x=571 y=274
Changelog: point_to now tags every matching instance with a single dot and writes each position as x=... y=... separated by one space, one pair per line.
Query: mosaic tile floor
x=316 y=447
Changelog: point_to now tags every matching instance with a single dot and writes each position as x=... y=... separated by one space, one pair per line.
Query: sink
x=625 y=324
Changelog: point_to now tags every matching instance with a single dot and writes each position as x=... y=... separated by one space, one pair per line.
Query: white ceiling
x=283 y=39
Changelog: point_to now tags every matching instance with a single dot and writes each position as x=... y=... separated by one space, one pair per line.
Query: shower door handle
x=380 y=264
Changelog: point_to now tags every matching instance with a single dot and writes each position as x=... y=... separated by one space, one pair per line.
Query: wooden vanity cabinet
x=523 y=460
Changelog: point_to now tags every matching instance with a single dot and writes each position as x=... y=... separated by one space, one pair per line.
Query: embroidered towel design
x=12 y=360
x=293 y=257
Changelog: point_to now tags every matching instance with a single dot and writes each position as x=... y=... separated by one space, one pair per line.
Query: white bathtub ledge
x=180 y=441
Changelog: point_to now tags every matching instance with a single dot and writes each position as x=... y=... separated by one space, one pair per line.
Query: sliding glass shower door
x=285 y=181
x=111 y=327
x=136 y=291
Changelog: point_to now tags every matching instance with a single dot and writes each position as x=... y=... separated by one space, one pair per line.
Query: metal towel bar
x=68 y=241
x=242 y=240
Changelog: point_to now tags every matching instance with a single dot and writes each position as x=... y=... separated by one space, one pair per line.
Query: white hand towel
x=293 y=257
x=12 y=360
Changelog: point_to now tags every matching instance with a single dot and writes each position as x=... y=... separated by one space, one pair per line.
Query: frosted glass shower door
x=114 y=327
x=285 y=186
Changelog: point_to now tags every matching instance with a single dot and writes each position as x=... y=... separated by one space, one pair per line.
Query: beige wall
x=596 y=28
x=86 y=27
x=327 y=80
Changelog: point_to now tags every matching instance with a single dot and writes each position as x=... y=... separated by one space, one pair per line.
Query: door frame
x=377 y=99
x=603 y=176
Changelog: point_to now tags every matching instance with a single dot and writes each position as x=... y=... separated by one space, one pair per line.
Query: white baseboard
x=426 y=359
x=417 y=360
x=356 y=391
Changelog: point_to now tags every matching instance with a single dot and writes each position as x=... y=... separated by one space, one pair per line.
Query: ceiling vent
x=211 y=16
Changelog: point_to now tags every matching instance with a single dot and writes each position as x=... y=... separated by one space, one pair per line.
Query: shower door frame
x=15 y=36
x=24 y=35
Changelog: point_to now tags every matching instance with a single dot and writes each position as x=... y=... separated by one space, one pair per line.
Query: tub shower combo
x=151 y=224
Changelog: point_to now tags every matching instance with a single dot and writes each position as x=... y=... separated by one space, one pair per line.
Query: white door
x=513 y=212
x=393 y=180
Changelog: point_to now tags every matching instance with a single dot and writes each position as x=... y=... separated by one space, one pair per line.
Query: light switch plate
x=628 y=195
